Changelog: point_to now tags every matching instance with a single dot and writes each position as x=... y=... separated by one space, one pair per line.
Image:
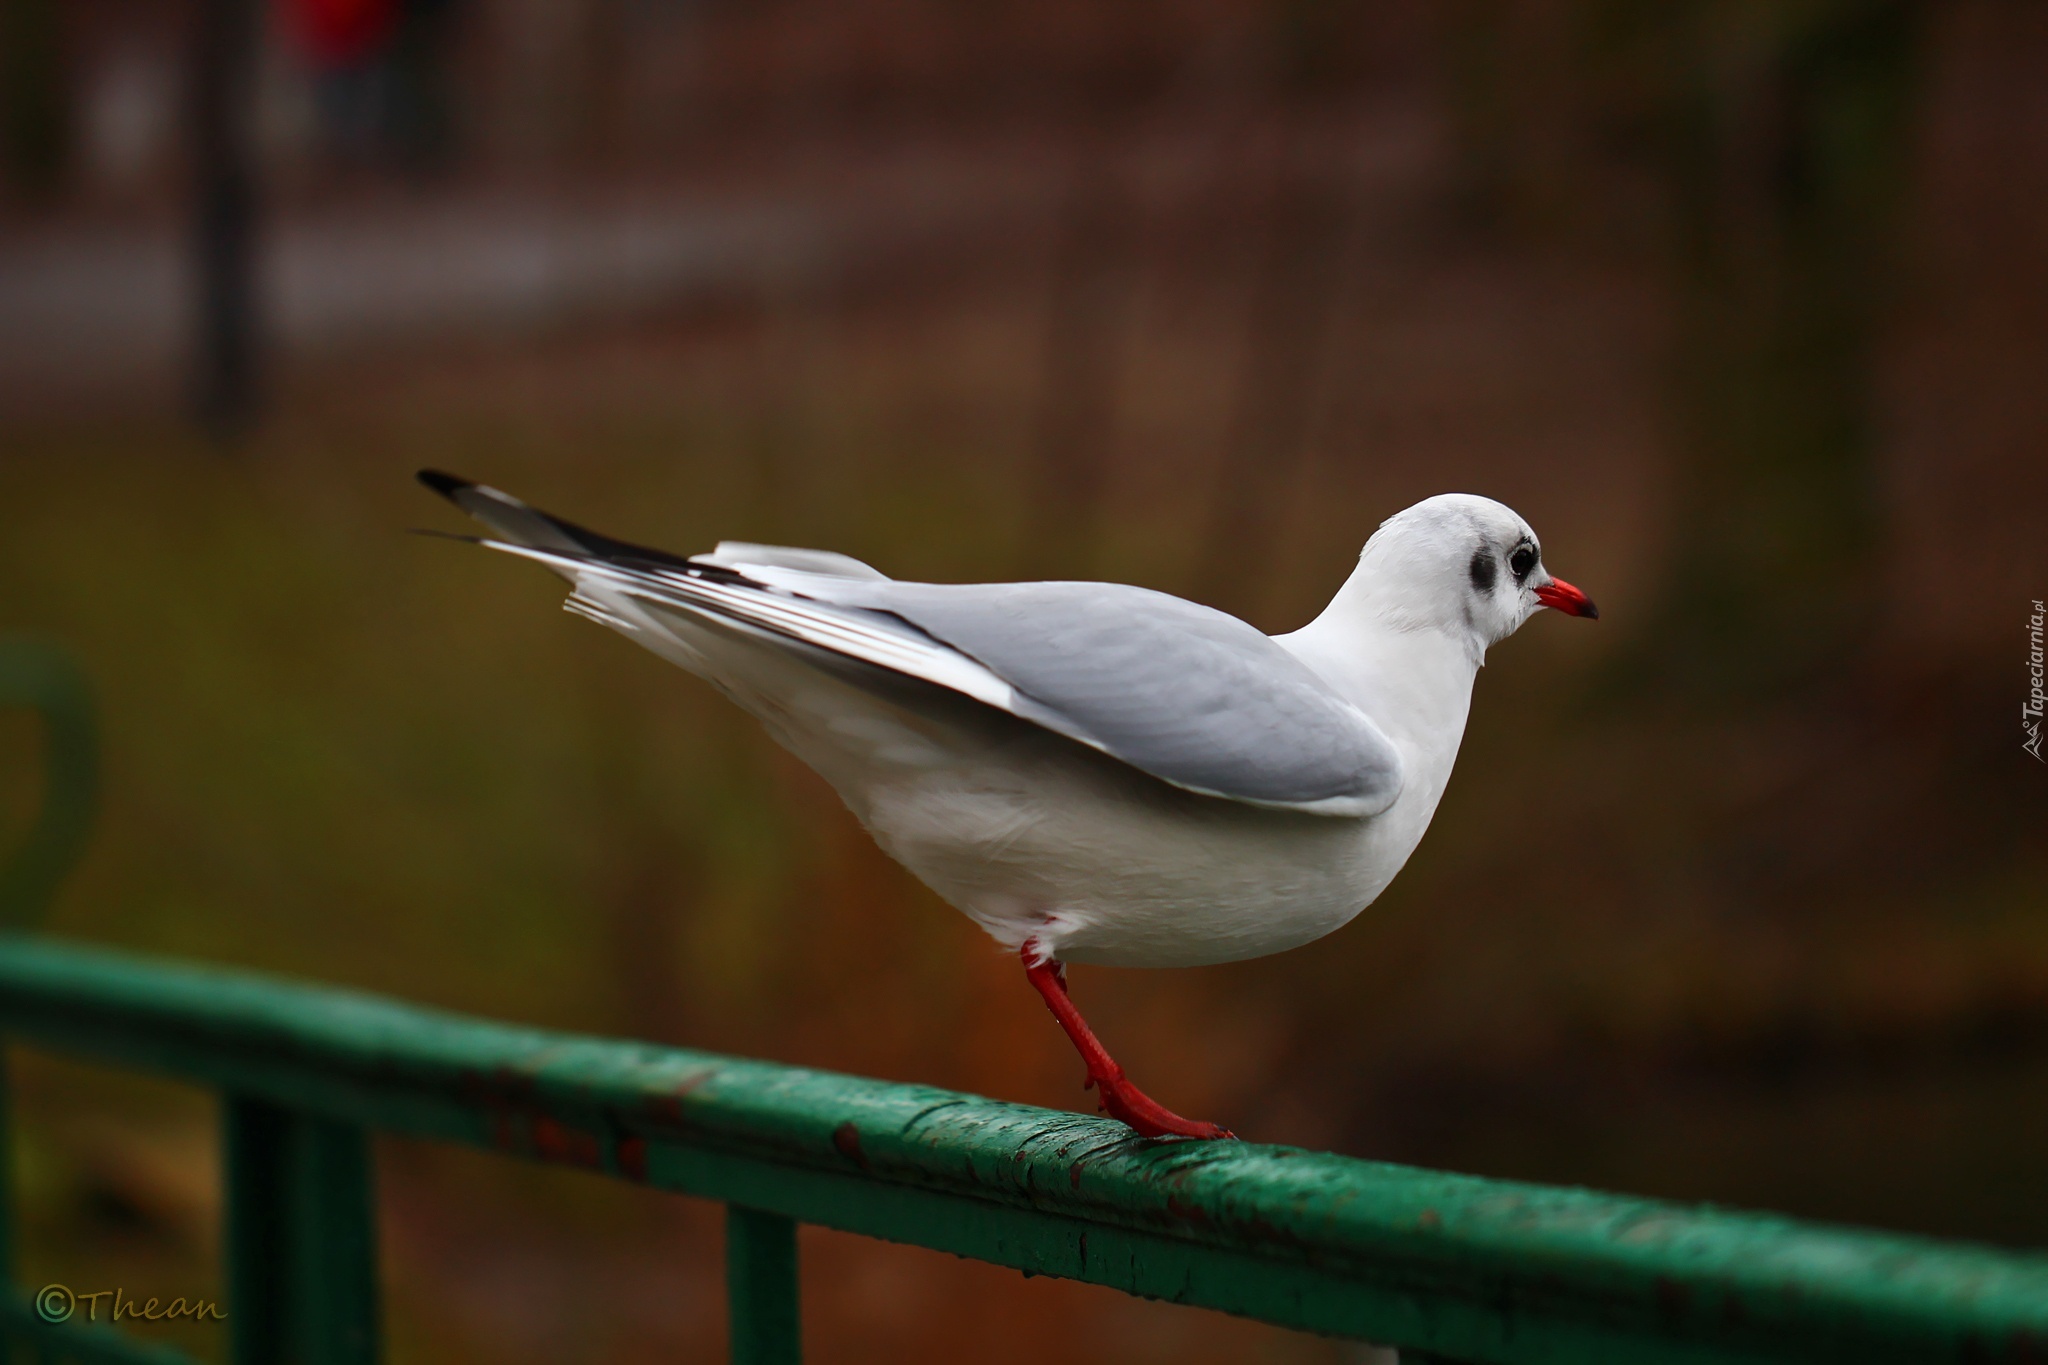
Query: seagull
x=1094 y=772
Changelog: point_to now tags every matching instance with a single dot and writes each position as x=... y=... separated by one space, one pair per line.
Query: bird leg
x=1123 y=1100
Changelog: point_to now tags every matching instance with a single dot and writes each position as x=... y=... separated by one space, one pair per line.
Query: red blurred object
x=342 y=32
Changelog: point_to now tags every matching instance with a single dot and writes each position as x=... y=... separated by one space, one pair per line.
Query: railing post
x=301 y=1239
x=8 y=1354
x=6 y=1178
x=761 y=1287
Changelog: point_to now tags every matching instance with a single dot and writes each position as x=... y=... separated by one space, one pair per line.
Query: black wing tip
x=447 y=485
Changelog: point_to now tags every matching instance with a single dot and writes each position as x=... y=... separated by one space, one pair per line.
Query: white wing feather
x=835 y=629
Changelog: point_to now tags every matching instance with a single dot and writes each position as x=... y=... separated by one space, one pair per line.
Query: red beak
x=1559 y=595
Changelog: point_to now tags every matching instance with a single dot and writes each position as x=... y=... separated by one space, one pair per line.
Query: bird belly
x=1103 y=864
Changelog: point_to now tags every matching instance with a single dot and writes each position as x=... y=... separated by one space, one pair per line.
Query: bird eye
x=1522 y=560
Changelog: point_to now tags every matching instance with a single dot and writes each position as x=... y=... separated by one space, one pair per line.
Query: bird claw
x=1146 y=1116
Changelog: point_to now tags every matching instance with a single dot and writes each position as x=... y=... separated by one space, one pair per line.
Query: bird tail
x=605 y=575
x=668 y=603
x=518 y=524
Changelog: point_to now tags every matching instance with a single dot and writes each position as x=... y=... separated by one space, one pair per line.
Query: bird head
x=1465 y=564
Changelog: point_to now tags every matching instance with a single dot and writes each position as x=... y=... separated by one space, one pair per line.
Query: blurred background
x=1740 y=894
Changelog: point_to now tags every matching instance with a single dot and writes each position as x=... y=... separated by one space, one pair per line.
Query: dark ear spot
x=1483 y=571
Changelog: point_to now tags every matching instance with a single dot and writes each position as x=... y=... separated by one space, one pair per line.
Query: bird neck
x=1412 y=677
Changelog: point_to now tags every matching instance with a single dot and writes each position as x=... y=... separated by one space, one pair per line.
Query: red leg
x=1122 y=1099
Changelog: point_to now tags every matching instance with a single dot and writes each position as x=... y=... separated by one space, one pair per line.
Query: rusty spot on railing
x=846 y=1138
x=556 y=1141
x=666 y=1111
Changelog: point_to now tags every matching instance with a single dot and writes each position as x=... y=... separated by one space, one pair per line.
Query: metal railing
x=1445 y=1266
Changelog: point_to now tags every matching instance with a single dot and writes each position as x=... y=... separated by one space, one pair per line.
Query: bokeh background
x=1740 y=894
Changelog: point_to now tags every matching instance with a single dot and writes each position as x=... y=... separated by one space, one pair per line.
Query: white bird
x=1094 y=772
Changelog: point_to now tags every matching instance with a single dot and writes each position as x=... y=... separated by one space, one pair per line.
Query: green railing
x=1446 y=1266
x=39 y=678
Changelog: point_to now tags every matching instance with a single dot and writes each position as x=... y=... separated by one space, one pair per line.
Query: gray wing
x=1181 y=691
x=1193 y=696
